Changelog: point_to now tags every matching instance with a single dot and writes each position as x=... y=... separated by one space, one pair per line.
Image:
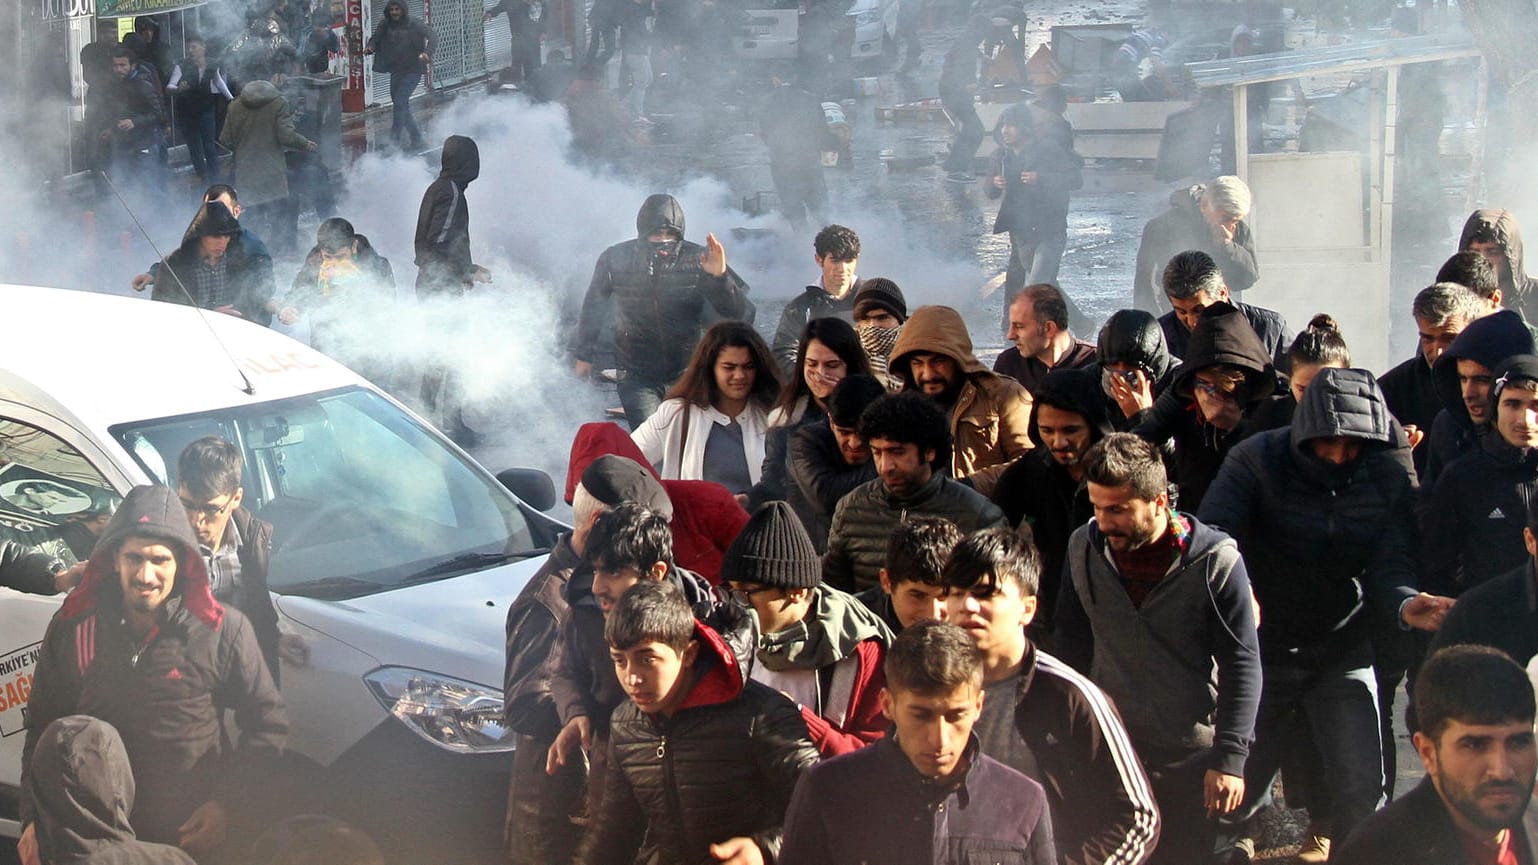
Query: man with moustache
x=1153 y=595
x=142 y=644
x=989 y=415
x=1476 y=741
x=907 y=439
x=1044 y=490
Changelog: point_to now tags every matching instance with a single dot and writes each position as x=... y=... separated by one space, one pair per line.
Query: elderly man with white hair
x=1208 y=217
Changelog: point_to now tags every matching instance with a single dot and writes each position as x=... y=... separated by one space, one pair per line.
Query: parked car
x=394 y=554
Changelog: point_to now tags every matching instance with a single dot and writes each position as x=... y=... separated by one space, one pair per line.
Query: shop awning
x=130 y=8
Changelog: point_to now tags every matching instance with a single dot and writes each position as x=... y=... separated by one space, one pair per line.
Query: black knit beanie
x=881 y=293
x=773 y=550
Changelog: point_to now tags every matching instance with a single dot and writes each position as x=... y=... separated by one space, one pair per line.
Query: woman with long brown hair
x=712 y=423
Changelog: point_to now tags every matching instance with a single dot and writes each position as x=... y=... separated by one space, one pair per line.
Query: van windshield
x=361 y=497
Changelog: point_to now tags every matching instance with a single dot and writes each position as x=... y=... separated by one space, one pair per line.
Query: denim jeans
x=1341 y=705
x=197 y=128
x=640 y=398
x=404 y=129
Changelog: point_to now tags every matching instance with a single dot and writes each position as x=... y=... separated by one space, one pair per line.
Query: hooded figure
x=443 y=222
x=166 y=691
x=659 y=301
x=247 y=279
x=84 y=790
x=1042 y=492
x=1131 y=337
x=1222 y=339
x=1184 y=227
x=258 y=128
x=1486 y=341
x=1499 y=227
x=1478 y=508
x=398 y=43
x=1034 y=214
x=989 y=414
x=706 y=517
x=1323 y=513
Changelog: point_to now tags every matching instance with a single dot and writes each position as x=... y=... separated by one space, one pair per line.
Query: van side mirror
x=532 y=485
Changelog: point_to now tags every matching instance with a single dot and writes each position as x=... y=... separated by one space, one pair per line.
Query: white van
x=394 y=554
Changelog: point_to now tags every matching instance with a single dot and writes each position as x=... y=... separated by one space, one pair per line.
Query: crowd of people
x=851 y=595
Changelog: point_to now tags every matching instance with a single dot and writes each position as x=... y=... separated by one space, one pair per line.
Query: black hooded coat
x=1327 y=546
x=1488 y=341
x=1129 y=336
x=165 y=693
x=1222 y=336
x=443 y=222
x=397 y=45
x=658 y=298
x=1039 y=491
x=248 y=269
x=84 y=790
x=1518 y=290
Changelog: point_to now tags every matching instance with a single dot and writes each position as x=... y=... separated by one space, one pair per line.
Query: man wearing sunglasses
x=235 y=544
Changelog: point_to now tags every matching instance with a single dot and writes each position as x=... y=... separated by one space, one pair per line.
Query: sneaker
x=961 y=177
x=1242 y=853
x=1316 y=850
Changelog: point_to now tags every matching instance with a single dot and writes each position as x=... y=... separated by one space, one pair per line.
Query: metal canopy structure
x=1324 y=219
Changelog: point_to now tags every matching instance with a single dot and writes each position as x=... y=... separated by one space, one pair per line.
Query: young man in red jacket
x=816 y=644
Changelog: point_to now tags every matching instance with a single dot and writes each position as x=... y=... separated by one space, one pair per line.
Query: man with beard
x=1045 y=489
x=907 y=439
x=1441 y=312
x=1152 y=595
x=1476 y=742
x=989 y=415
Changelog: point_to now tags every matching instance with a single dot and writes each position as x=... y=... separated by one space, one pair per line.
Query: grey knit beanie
x=773 y=549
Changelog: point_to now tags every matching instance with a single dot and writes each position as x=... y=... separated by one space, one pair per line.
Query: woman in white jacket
x=711 y=426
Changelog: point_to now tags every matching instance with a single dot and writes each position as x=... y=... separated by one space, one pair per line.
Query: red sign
x=352 y=46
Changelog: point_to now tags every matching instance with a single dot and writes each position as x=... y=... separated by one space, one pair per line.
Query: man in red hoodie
x=705 y=514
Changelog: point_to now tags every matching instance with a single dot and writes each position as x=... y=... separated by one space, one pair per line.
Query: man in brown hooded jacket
x=989 y=414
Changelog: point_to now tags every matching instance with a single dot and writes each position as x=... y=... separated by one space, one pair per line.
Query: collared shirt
x=224 y=565
x=210 y=287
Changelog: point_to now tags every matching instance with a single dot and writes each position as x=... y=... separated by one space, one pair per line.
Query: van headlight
x=455 y=715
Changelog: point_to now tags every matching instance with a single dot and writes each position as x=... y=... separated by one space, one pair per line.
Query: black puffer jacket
x=814 y=302
x=1488 y=340
x=25 y=569
x=1473 y=527
x=84 y=790
x=821 y=477
x=1222 y=336
x=1323 y=543
x=722 y=766
x=865 y=518
x=167 y=695
x=661 y=300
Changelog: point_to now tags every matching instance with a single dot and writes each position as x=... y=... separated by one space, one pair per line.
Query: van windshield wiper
x=332 y=588
x=466 y=562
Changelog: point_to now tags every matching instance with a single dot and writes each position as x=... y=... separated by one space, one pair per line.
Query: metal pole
x=1374 y=169
x=1241 y=132
x=1390 y=145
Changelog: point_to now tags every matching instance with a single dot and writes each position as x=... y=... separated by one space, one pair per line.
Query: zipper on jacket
x=675 y=807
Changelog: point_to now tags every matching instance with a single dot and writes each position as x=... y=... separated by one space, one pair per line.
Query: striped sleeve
x=1114 y=785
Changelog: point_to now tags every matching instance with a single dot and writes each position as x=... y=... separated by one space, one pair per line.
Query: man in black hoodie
x=1132 y=368
x=84 y=790
x=1045 y=488
x=1495 y=234
x=1463 y=375
x=444 y=266
x=1207 y=409
x=400 y=47
x=142 y=644
x=215 y=269
x=662 y=291
x=1473 y=521
x=1323 y=513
